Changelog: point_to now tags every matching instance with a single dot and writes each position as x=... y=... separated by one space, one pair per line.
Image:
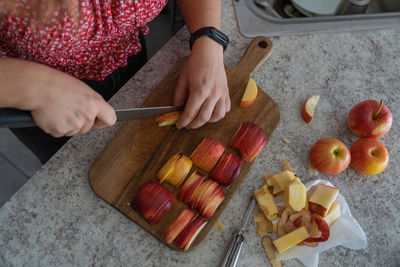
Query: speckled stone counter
x=57 y=220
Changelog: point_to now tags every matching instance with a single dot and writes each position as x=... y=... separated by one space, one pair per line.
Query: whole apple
x=369 y=118
x=330 y=156
x=369 y=156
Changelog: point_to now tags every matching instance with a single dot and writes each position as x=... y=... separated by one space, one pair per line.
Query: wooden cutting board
x=140 y=148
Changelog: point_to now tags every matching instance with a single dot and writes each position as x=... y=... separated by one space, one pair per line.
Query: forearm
x=201 y=13
x=22 y=82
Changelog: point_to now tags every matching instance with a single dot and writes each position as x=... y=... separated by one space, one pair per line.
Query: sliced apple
x=207 y=154
x=168 y=119
x=175 y=170
x=282 y=179
x=250 y=94
x=322 y=199
x=308 y=108
x=249 y=140
x=227 y=170
x=152 y=201
x=174 y=229
x=296 y=195
x=186 y=237
x=266 y=202
x=333 y=213
x=191 y=184
x=291 y=239
x=207 y=197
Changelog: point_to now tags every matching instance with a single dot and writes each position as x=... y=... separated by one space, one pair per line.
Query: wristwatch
x=211 y=32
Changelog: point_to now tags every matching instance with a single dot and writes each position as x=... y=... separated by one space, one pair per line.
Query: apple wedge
x=175 y=170
x=152 y=201
x=167 y=119
x=186 y=237
x=227 y=170
x=250 y=94
x=191 y=184
x=308 y=108
x=176 y=227
x=207 y=154
x=249 y=140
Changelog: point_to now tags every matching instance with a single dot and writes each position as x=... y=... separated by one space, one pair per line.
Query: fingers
x=227 y=103
x=105 y=117
x=219 y=111
x=180 y=92
x=204 y=114
x=192 y=107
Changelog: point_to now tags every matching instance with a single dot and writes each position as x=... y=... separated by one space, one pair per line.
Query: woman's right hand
x=60 y=104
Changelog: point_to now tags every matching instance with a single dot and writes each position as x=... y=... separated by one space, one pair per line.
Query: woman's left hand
x=202 y=85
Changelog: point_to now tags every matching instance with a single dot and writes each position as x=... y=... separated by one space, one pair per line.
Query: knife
x=236 y=244
x=15 y=118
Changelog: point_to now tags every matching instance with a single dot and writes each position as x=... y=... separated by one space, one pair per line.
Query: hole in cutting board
x=263 y=44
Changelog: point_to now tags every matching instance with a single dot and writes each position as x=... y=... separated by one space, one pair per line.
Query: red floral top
x=107 y=34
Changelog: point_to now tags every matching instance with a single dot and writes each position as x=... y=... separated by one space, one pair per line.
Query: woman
x=50 y=48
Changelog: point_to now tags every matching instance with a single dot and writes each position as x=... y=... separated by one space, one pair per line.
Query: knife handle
x=15 y=118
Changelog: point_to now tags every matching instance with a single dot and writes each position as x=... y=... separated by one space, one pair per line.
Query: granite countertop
x=55 y=219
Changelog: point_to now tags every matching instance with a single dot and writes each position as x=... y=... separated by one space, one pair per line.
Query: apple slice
x=191 y=184
x=207 y=154
x=322 y=199
x=250 y=94
x=227 y=170
x=168 y=168
x=207 y=197
x=266 y=202
x=249 y=140
x=168 y=119
x=186 y=237
x=308 y=109
x=152 y=201
x=174 y=229
x=175 y=170
x=296 y=195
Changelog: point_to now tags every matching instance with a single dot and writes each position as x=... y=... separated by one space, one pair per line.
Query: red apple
x=190 y=232
x=191 y=184
x=153 y=201
x=330 y=156
x=184 y=218
x=249 y=140
x=308 y=108
x=227 y=169
x=369 y=118
x=207 y=154
x=207 y=197
x=369 y=156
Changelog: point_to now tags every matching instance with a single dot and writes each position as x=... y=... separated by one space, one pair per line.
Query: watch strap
x=211 y=32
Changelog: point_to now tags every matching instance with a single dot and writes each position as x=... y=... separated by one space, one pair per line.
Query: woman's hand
x=60 y=104
x=71 y=107
x=203 y=85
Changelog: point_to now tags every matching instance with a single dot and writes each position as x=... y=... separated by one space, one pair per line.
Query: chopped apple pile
x=303 y=222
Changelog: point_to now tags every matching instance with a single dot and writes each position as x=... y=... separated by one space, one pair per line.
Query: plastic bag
x=344 y=231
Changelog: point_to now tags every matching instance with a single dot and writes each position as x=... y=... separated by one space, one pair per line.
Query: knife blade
x=15 y=118
x=235 y=247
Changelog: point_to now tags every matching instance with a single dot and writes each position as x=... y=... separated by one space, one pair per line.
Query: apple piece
x=296 y=195
x=323 y=196
x=330 y=156
x=186 y=237
x=207 y=154
x=181 y=170
x=227 y=170
x=180 y=222
x=286 y=166
x=266 y=202
x=291 y=239
x=152 y=201
x=285 y=140
x=250 y=94
x=219 y=225
x=270 y=251
x=207 y=197
x=282 y=179
x=333 y=213
x=168 y=168
x=249 y=140
x=369 y=156
x=191 y=184
x=168 y=119
x=369 y=118
x=308 y=108
x=263 y=224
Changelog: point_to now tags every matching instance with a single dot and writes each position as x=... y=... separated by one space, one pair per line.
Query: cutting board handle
x=257 y=52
